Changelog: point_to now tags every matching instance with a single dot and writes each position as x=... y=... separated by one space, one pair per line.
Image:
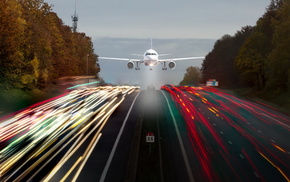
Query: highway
x=52 y=140
x=233 y=139
x=99 y=134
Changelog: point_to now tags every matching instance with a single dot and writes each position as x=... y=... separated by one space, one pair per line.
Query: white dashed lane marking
x=273 y=141
x=256 y=174
x=281 y=123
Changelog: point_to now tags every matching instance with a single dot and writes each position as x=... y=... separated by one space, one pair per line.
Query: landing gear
x=164 y=66
x=137 y=66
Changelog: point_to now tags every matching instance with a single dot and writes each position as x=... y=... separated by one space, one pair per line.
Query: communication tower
x=75 y=20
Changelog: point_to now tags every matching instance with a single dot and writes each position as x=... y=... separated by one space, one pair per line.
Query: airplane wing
x=179 y=59
x=120 y=59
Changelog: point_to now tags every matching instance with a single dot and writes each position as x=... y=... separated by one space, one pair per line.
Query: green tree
x=279 y=58
x=252 y=60
x=220 y=64
x=192 y=76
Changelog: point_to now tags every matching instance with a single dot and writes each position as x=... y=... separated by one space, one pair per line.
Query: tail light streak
x=230 y=114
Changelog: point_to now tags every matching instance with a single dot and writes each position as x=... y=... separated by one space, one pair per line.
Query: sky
x=182 y=28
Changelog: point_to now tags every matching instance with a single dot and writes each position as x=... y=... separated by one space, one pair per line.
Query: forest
x=255 y=61
x=36 y=47
x=257 y=58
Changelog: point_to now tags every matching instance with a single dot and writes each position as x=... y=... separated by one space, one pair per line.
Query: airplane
x=151 y=58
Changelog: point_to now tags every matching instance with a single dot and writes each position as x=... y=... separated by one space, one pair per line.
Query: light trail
x=184 y=155
x=104 y=173
x=33 y=134
x=215 y=119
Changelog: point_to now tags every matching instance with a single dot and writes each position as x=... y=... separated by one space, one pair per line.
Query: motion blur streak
x=275 y=167
x=233 y=139
x=54 y=127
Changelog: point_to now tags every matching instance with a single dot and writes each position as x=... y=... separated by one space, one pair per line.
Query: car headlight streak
x=39 y=130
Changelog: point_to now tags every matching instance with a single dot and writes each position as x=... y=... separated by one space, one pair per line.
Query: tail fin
x=151 y=44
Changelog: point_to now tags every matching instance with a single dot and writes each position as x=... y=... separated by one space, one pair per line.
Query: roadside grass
x=280 y=102
x=13 y=100
x=17 y=99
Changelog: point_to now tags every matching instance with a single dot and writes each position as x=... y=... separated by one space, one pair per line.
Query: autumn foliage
x=36 y=47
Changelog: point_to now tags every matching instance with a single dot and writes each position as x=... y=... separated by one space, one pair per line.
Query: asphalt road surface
x=233 y=139
x=124 y=134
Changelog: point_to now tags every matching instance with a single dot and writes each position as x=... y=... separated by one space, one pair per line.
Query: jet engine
x=171 y=64
x=130 y=65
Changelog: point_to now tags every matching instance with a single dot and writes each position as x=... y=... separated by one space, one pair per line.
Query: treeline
x=192 y=76
x=257 y=57
x=36 y=47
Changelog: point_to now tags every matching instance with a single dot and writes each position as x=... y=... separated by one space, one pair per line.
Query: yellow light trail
x=43 y=149
x=71 y=169
x=275 y=167
x=279 y=148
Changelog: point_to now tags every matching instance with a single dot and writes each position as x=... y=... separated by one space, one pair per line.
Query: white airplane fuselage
x=150 y=58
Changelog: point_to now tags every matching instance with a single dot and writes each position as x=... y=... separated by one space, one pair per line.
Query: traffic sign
x=150 y=138
x=212 y=83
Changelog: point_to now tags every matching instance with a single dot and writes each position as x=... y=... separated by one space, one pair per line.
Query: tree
x=36 y=48
x=252 y=60
x=12 y=27
x=220 y=62
x=192 y=76
x=279 y=57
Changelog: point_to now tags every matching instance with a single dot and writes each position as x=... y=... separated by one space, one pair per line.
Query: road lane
x=163 y=160
x=184 y=154
x=119 y=153
x=94 y=168
x=201 y=134
x=40 y=135
x=228 y=136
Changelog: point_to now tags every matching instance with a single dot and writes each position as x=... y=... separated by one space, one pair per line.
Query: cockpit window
x=148 y=53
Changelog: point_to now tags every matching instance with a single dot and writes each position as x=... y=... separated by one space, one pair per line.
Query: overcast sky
x=106 y=21
x=160 y=18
